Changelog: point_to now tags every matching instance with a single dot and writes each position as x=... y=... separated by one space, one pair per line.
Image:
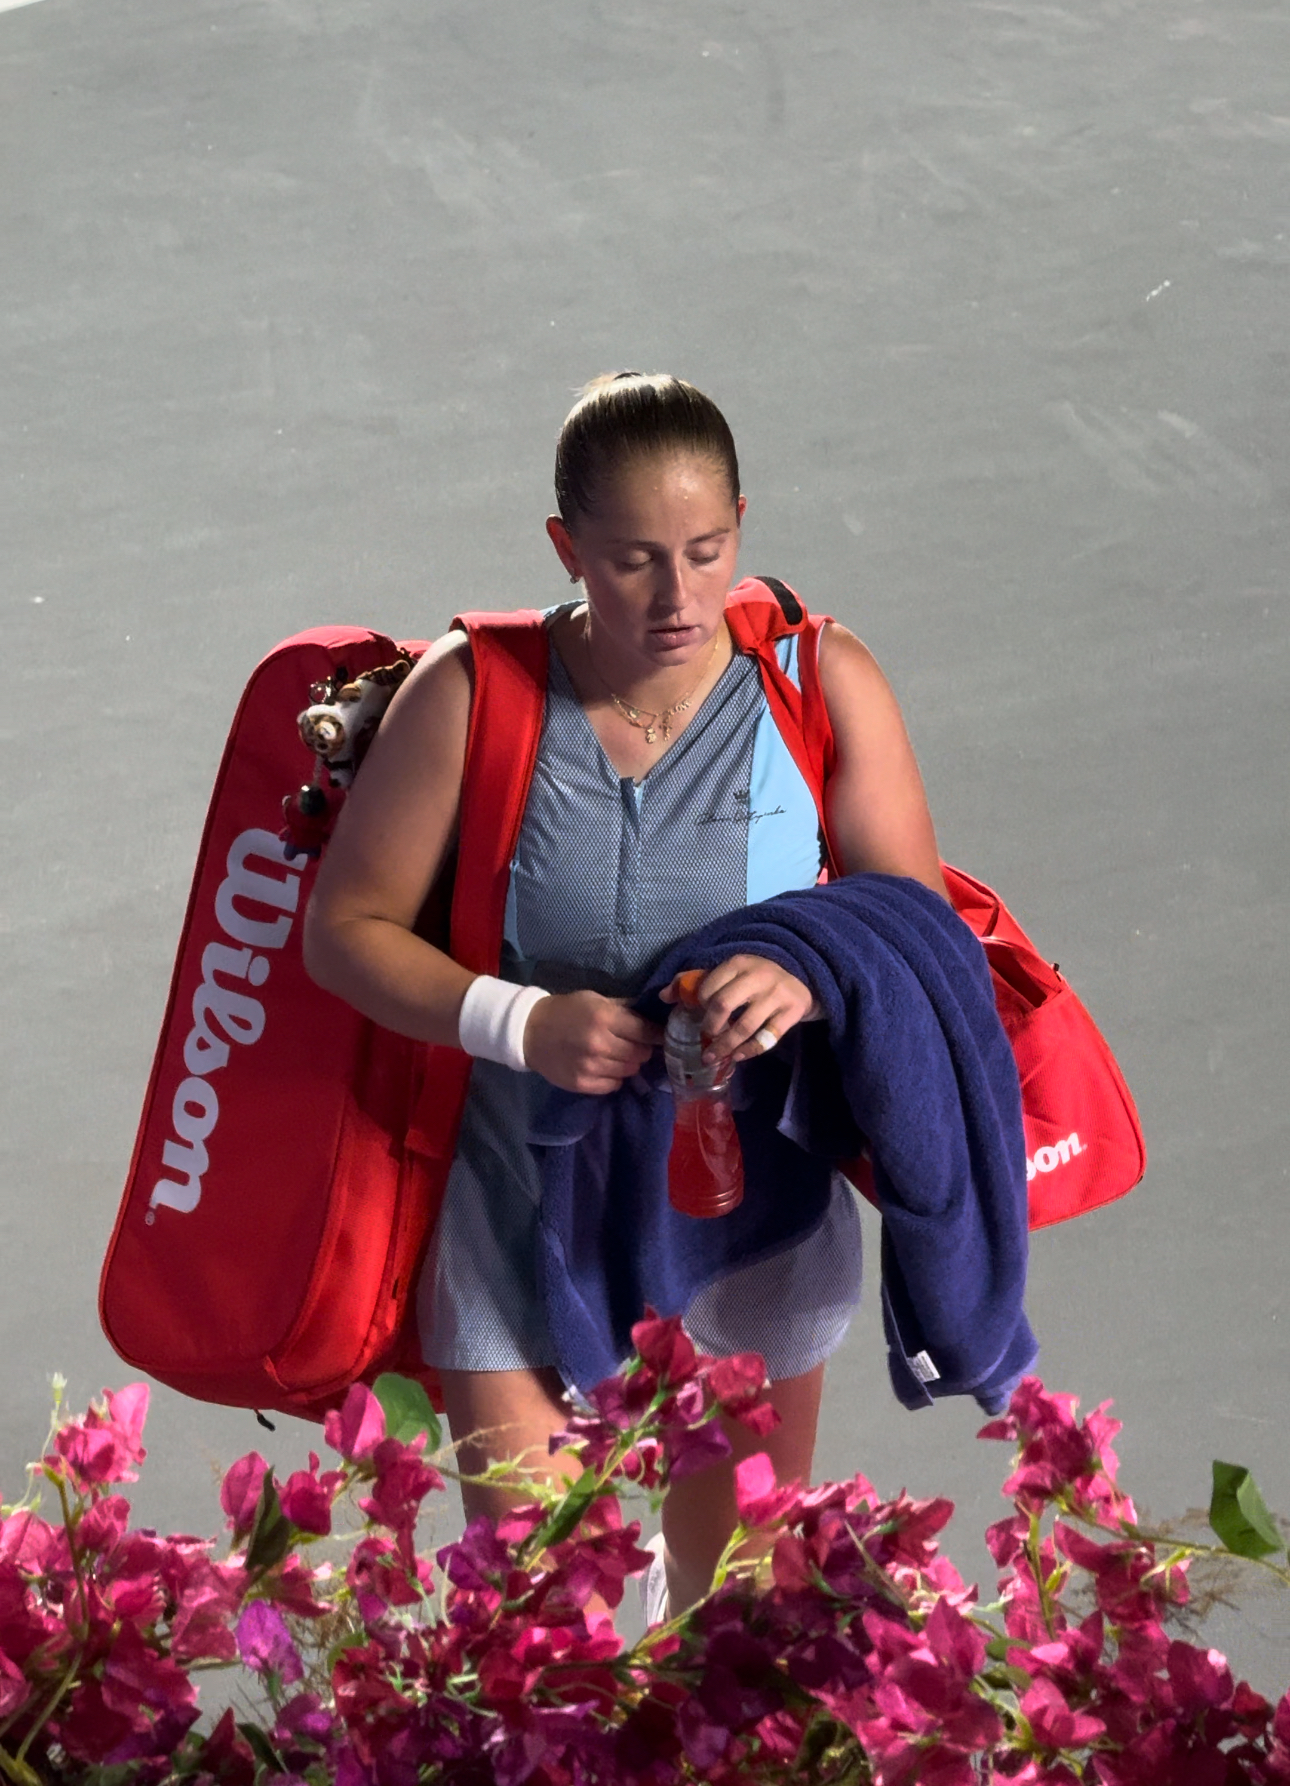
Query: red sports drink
x=705 y=1169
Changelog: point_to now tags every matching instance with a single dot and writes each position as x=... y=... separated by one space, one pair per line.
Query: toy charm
x=337 y=727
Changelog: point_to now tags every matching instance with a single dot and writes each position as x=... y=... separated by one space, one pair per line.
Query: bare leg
x=515 y=1412
x=505 y=1414
x=700 y=1513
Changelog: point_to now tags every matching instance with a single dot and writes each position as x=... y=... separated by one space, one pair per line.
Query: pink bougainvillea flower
x=15 y=1689
x=478 y=1560
x=357 y=1427
x=595 y=1439
x=264 y=1642
x=738 y=1383
x=226 y=1755
x=379 y=1577
x=643 y=1464
x=621 y=1400
x=307 y=1498
x=239 y=1493
x=302 y=1716
x=137 y=1677
x=1201 y=1679
x=759 y=1498
x=690 y=1449
x=101 y=1448
x=666 y=1348
x=1130 y=1589
x=200 y=1630
x=606 y=1551
x=28 y=1541
x=1072 y=1655
x=403 y=1480
x=1059 y=1454
x=1055 y=1724
x=292 y=1588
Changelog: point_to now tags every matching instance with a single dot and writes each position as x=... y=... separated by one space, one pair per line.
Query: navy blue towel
x=910 y=1056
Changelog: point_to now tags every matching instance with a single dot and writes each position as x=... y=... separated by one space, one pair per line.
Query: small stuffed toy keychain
x=337 y=728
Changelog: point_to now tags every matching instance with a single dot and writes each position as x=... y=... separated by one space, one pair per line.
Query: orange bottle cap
x=688 y=985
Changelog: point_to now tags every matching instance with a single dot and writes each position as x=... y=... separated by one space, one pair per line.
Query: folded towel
x=910 y=1056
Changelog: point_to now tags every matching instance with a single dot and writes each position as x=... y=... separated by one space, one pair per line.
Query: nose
x=669 y=584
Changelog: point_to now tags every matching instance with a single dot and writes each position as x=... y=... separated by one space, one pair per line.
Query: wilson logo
x=1048 y=1159
x=253 y=909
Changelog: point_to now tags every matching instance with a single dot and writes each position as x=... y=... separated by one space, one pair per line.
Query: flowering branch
x=836 y=1645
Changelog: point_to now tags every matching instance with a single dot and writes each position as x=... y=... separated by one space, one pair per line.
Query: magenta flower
x=101 y=1448
x=380 y=1578
x=1058 y=1454
x=665 y=1348
x=690 y=1449
x=239 y=1493
x=403 y=1480
x=307 y=1498
x=1054 y=1723
x=738 y=1384
x=758 y=1496
x=264 y=1642
x=358 y=1426
x=15 y=1688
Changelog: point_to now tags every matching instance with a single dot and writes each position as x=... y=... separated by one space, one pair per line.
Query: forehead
x=663 y=484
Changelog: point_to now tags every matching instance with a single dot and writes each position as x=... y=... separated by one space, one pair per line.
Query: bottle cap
x=688 y=985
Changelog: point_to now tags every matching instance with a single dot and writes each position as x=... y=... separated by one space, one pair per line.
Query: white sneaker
x=653 y=1585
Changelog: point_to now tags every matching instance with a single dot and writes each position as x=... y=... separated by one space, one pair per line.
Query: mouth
x=674 y=636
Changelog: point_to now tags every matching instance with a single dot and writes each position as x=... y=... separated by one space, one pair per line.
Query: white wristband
x=493 y=1018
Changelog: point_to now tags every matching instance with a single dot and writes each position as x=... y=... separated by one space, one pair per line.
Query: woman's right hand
x=585 y=1043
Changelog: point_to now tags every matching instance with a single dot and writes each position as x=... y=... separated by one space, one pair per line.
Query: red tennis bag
x=1084 y=1144
x=291 y=1155
x=290 y=1162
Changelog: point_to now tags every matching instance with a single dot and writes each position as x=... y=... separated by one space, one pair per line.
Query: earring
x=574 y=577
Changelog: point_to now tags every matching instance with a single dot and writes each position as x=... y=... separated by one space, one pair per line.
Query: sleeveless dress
x=607 y=874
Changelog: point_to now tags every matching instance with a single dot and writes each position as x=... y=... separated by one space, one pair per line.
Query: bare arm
x=394 y=835
x=392 y=839
x=875 y=804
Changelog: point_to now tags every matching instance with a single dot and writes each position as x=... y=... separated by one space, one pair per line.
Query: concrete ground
x=995 y=295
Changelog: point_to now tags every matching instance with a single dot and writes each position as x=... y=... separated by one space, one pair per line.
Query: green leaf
x=1238 y=1515
x=270 y=1538
x=263 y=1749
x=566 y=1515
x=407 y=1409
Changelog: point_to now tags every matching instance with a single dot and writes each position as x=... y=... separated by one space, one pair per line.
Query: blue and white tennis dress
x=608 y=873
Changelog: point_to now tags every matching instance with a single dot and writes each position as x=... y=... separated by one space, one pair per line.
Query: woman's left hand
x=744 y=1000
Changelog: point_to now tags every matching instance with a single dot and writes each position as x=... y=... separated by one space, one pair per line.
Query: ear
x=741 y=508
x=565 y=551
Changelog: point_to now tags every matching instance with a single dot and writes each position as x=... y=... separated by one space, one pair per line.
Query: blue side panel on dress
x=783 y=825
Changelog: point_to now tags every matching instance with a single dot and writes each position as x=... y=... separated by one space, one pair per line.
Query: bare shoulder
x=430 y=713
x=444 y=672
x=856 y=693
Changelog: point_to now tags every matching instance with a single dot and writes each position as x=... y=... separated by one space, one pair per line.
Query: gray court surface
x=294 y=294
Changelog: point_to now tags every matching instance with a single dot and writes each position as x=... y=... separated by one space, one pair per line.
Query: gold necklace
x=641 y=717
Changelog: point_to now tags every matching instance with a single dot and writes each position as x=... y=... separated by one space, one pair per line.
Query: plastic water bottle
x=705 y=1169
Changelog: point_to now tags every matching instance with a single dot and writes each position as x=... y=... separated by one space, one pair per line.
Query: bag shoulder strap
x=510 y=654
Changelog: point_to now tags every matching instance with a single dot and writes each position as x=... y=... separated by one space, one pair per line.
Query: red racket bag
x=289 y=1165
